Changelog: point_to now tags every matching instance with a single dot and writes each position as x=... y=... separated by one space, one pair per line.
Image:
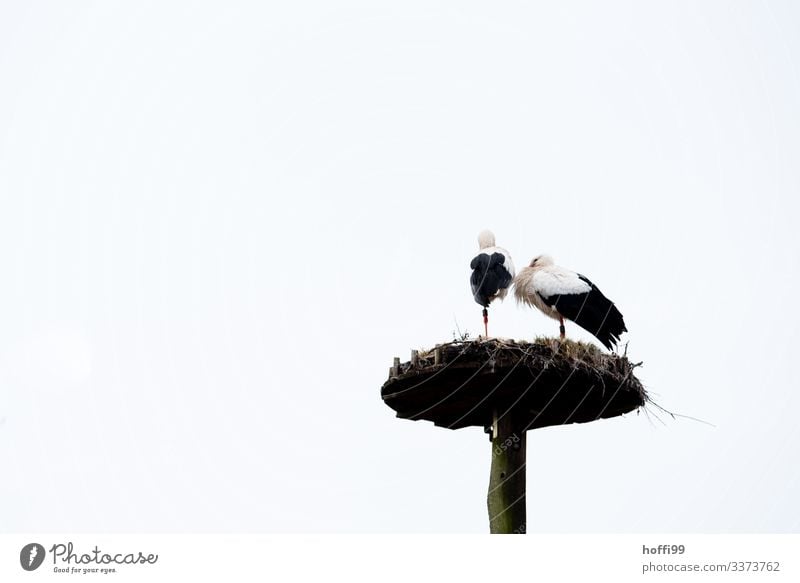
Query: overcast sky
x=220 y=221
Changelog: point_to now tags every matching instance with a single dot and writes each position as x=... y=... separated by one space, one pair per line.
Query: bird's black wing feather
x=592 y=311
x=489 y=276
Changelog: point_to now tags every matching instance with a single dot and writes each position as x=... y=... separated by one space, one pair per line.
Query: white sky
x=220 y=222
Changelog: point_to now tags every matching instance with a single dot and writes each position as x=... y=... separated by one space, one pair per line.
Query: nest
x=539 y=384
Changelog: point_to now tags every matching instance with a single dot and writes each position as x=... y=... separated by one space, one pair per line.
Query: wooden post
x=506 y=499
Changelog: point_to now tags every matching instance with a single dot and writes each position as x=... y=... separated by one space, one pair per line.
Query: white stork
x=492 y=273
x=561 y=293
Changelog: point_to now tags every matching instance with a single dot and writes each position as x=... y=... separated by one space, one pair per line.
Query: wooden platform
x=543 y=383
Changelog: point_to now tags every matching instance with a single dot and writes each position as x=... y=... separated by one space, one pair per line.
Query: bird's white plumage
x=552 y=280
x=542 y=278
x=485 y=239
x=547 y=279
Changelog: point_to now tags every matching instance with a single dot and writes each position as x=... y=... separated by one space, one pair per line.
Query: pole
x=506 y=498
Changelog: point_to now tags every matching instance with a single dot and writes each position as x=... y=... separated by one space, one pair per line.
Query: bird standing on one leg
x=492 y=273
x=560 y=293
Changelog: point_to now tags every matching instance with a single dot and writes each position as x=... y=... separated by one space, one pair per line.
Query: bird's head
x=541 y=261
x=486 y=239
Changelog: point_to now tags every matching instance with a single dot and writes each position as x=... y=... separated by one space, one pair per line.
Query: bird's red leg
x=486 y=321
x=561 y=328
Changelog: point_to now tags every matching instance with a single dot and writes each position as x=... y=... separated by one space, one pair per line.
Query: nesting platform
x=538 y=384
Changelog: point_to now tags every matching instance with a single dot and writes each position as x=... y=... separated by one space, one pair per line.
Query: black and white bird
x=561 y=293
x=492 y=273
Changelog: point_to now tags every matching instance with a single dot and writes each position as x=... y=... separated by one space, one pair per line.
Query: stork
x=492 y=273
x=560 y=293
